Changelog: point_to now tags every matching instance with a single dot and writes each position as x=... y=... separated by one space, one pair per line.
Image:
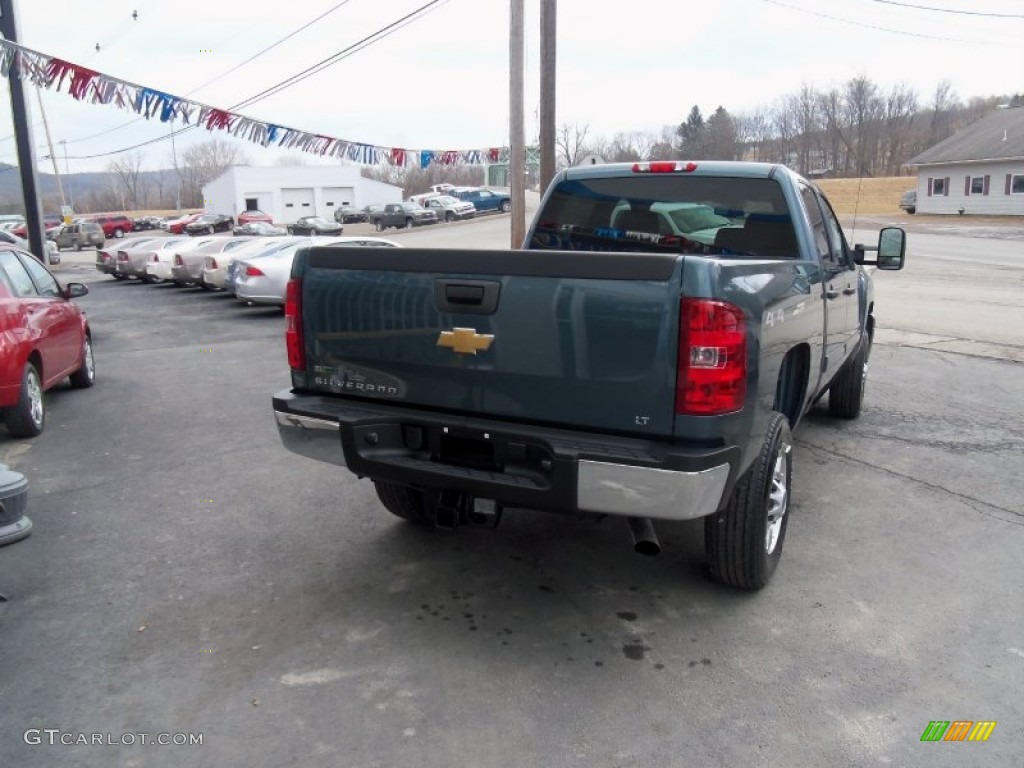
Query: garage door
x=297 y=203
x=335 y=196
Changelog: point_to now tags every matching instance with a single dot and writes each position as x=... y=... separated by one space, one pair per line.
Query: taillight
x=660 y=166
x=293 y=325
x=711 y=377
x=104 y=256
x=178 y=262
x=251 y=271
x=211 y=263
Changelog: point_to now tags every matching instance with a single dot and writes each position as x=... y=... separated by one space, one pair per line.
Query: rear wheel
x=118 y=232
x=846 y=392
x=27 y=417
x=506 y=206
x=403 y=501
x=86 y=375
x=744 y=541
x=449 y=217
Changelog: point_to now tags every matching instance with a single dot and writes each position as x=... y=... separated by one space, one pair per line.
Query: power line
x=877 y=27
x=223 y=74
x=350 y=50
x=952 y=10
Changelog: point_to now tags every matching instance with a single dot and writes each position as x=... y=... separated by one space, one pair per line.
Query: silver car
x=131 y=262
x=264 y=279
x=187 y=268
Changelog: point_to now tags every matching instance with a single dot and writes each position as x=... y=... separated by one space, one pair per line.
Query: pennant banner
x=85 y=84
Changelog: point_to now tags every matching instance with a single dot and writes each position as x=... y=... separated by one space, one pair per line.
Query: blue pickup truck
x=619 y=364
x=486 y=200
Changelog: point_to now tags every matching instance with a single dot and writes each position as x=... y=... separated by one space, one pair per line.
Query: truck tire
x=379 y=225
x=402 y=501
x=408 y=223
x=846 y=392
x=744 y=540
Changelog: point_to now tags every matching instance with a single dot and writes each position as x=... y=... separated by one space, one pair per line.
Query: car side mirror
x=891 y=248
x=75 y=290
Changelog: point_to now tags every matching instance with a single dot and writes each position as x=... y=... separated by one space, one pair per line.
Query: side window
x=840 y=253
x=44 y=280
x=17 y=278
x=817 y=223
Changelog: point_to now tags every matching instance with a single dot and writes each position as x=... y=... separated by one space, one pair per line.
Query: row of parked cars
x=252 y=268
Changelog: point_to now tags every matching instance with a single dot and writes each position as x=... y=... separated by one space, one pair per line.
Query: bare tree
x=570 y=143
x=202 y=163
x=126 y=168
x=943 y=104
x=900 y=107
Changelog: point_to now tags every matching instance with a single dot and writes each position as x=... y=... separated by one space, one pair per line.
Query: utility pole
x=177 y=173
x=49 y=143
x=548 y=37
x=67 y=174
x=517 y=157
x=23 y=138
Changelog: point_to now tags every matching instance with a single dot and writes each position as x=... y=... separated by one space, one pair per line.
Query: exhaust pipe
x=645 y=540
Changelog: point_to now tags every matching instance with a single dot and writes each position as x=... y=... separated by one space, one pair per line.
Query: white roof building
x=287 y=193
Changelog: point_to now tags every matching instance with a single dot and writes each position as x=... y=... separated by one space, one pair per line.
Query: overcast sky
x=441 y=82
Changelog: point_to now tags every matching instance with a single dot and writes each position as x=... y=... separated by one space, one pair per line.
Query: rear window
x=668 y=213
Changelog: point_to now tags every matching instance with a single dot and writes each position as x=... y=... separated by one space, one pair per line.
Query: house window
x=1017 y=184
x=977 y=185
x=938 y=186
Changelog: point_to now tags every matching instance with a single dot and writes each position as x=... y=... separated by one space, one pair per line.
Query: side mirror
x=75 y=290
x=892 y=247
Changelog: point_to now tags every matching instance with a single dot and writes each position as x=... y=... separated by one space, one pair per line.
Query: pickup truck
x=402 y=216
x=607 y=368
x=485 y=200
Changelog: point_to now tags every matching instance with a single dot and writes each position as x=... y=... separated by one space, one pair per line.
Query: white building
x=289 y=192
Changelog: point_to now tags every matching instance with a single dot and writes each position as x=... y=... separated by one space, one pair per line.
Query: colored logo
x=958 y=730
x=465 y=341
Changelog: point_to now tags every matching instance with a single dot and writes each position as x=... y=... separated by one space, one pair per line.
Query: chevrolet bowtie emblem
x=465 y=341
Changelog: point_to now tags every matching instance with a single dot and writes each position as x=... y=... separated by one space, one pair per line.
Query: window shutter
x=967 y=185
x=930 y=180
x=945 y=187
x=984 y=190
x=1007 y=190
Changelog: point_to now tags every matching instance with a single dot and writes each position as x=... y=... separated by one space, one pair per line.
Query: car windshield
x=317 y=221
x=446 y=200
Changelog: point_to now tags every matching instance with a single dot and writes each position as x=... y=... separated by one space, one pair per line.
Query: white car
x=161 y=261
x=187 y=268
x=264 y=279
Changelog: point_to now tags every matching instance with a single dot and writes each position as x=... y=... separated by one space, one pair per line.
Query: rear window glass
x=668 y=213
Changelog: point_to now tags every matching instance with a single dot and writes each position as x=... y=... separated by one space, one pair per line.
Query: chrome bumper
x=318 y=439
x=662 y=494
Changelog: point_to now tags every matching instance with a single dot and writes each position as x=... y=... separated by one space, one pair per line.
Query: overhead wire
x=952 y=10
x=223 y=74
x=344 y=53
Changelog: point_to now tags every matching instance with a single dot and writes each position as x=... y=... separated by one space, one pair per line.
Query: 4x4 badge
x=465 y=341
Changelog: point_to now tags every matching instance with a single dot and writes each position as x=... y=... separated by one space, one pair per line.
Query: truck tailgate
x=587 y=340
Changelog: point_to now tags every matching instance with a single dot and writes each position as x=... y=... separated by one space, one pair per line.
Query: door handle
x=849 y=290
x=830 y=294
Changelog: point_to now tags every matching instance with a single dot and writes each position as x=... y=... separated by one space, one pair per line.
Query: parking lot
x=188 y=575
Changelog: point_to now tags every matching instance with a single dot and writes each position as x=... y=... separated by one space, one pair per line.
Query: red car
x=177 y=226
x=50 y=224
x=246 y=216
x=115 y=225
x=44 y=339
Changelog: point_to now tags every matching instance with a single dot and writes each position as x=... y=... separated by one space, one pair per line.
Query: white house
x=289 y=192
x=979 y=170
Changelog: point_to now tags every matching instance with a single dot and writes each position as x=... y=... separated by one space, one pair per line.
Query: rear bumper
x=516 y=465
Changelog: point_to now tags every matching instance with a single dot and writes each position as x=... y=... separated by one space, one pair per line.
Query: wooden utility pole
x=49 y=143
x=548 y=36
x=517 y=156
x=23 y=139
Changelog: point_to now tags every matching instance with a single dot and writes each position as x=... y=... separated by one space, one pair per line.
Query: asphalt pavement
x=189 y=576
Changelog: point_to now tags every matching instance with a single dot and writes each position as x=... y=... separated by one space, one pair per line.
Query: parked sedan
x=314 y=225
x=160 y=261
x=263 y=279
x=106 y=260
x=218 y=272
x=131 y=262
x=177 y=226
x=349 y=214
x=247 y=216
x=45 y=339
x=187 y=268
x=259 y=229
x=209 y=223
